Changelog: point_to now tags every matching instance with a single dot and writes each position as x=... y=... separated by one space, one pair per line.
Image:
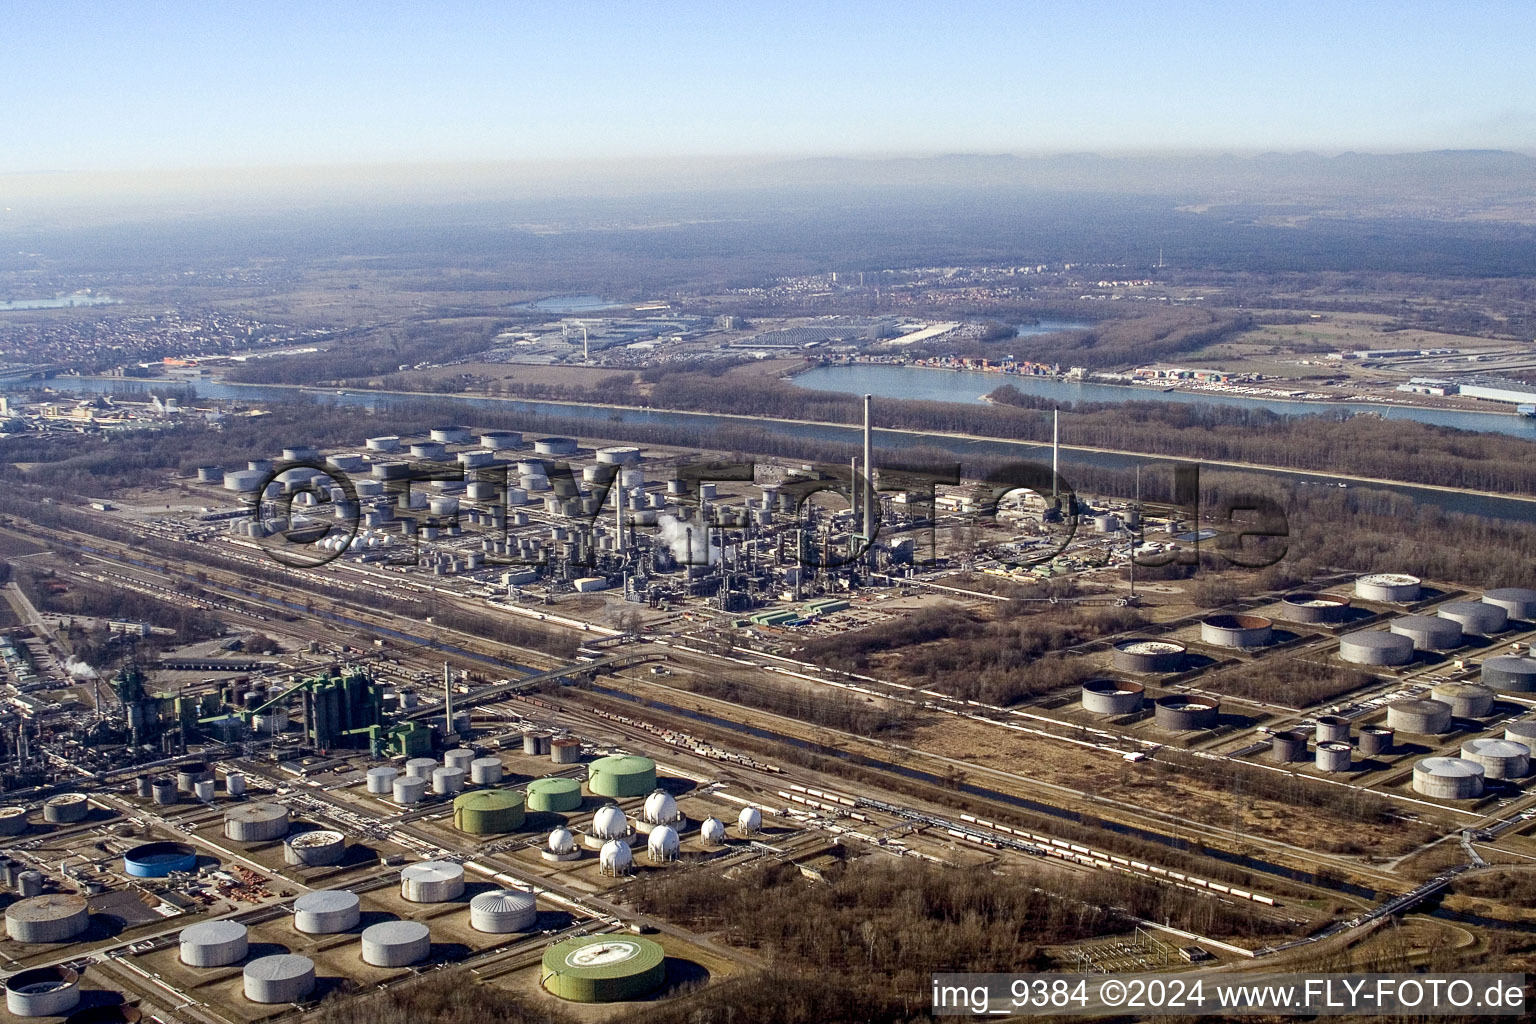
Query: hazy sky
x=130 y=84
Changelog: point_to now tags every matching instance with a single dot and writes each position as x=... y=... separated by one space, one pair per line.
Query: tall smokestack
x=447 y=700
x=869 y=475
x=1055 y=448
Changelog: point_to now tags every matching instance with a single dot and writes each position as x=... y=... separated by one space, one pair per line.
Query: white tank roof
x=610 y=822
x=660 y=808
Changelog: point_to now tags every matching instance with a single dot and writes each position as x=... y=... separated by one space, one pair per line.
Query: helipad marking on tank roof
x=601 y=955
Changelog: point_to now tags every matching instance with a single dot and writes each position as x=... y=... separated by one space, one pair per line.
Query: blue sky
x=87 y=86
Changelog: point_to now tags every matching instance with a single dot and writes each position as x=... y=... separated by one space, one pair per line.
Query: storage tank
x=557 y=795
x=1288 y=746
x=1429 y=632
x=283 y=978
x=1225 y=630
x=446 y=781
x=432 y=881
x=609 y=822
x=661 y=846
x=1374 y=740
x=234 y=784
x=1178 y=713
x=164 y=790
x=243 y=481
x=189 y=775
x=661 y=808
x=619 y=455
x=66 y=808
x=55 y=917
x=459 y=757
x=1501 y=759
x=13 y=821
x=1448 y=778
x=42 y=992
x=485 y=771
x=1389 y=587
x=410 y=789
x=1312 y=608
x=256 y=823
x=1512 y=673
x=29 y=883
x=1372 y=647
x=316 y=848
x=327 y=912
x=615 y=858
x=213 y=943
x=621 y=776
x=565 y=750
x=488 y=811
x=498 y=439
x=1146 y=654
x=535 y=742
x=1475 y=617
x=387 y=443
x=157 y=860
x=451 y=434
x=1517 y=602
x=204 y=790
x=1331 y=728
x=503 y=911
x=749 y=821
x=712 y=831
x=1467 y=700
x=1419 y=717
x=381 y=780
x=421 y=767
x=603 y=968
x=561 y=846
x=1111 y=697
x=209 y=474
x=270 y=722
x=476 y=459
x=1334 y=756
x=396 y=943
x=555 y=446
x=1523 y=731
x=430 y=451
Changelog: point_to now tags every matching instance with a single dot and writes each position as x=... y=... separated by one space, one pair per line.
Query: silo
x=661 y=846
x=1312 y=608
x=558 y=795
x=396 y=943
x=555 y=446
x=1146 y=654
x=316 y=848
x=1448 y=778
x=503 y=911
x=459 y=757
x=283 y=978
x=485 y=771
x=1475 y=617
x=1111 y=697
x=1334 y=756
x=1177 y=713
x=1371 y=647
x=66 y=808
x=488 y=812
x=1236 y=630
x=164 y=790
x=432 y=881
x=1388 y=587
x=1429 y=632
x=381 y=780
x=1517 y=602
x=1419 y=717
x=1467 y=700
x=213 y=943
x=410 y=789
x=1288 y=746
x=56 y=917
x=1332 y=728
x=621 y=776
x=327 y=912
x=43 y=992
x=1523 y=731
x=447 y=781
x=1512 y=673
x=1501 y=759
x=1375 y=739
x=565 y=750
x=712 y=832
x=256 y=823
x=421 y=767
x=615 y=858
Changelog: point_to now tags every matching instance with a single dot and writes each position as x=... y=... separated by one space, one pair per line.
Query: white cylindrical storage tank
x=410 y=789
x=432 y=881
x=234 y=784
x=476 y=459
x=316 y=848
x=1512 y=673
x=662 y=844
x=29 y=883
x=1111 y=697
x=283 y=978
x=66 y=808
x=503 y=911
x=1429 y=632
x=43 y=992
x=619 y=455
x=485 y=771
x=1523 y=731
x=327 y=912
x=270 y=721
x=387 y=443
x=420 y=767
x=381 y=780
x=459 y=757
x=1226 y=630
x=213 y=943
x=1372 y=647
x=1501 y=759
x=1389 y=587
x=443 y=505
x=396 y=943
x=555 y=446
x=1475 y=617
x=712 y=831
x=1333 y=756
x=1517 y=602
x=203 y=790
x=631 y=478
x=1467 y=700
x=749 y=821
x=243 y=481
x=432 y=451
x=451 y=434
x=480 y=490
x=447 y=781
x=498 y=439
x=256 y=823
x=615 y=858
x=1332 y=728
x=13 y=820
x=56 y=917
x=1448 y=778
x=1419 y=717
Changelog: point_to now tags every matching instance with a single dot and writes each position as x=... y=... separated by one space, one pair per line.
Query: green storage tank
x=488 y=811
x=603 y=968
x=621 y=776
x=554 y=795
